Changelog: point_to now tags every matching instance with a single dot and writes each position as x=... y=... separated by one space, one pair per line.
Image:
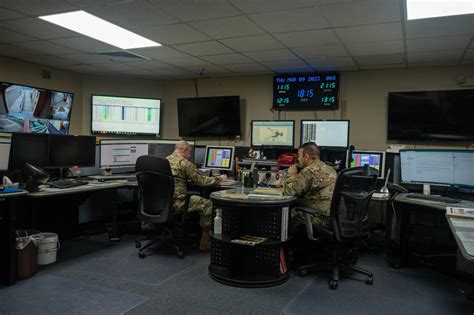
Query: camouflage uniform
x=315 y=183
x=184 y=171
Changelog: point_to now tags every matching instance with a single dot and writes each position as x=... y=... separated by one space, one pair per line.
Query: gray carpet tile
x=46 y=294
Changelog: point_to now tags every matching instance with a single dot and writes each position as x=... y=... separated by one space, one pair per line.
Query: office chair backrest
x=156 y=188
x=353 y=222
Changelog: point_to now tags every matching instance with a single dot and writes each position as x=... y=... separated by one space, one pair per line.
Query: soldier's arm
x=195 y=177
x=296 y=184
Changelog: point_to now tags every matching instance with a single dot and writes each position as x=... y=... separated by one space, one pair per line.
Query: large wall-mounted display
x=34 y=110
x=431 y=115
x=209 y=116
x=306 y=91
x=126 y=115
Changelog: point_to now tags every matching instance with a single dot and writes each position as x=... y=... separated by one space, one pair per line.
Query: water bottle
x=218 y=222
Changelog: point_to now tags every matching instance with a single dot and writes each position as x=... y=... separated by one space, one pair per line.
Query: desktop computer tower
x=392 y=161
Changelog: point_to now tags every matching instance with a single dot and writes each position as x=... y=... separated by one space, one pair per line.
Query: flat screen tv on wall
x=34 y=110
x=431 y=115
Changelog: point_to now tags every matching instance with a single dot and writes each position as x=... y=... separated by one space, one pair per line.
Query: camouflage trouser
x=297 y=218
x=202 y=206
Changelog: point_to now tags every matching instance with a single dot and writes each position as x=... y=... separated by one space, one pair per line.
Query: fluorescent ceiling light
x=422 y=9
x=92 y=26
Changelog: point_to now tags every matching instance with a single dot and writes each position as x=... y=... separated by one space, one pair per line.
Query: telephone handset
x=285 y=159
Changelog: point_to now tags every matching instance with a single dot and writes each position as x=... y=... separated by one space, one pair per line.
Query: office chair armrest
x=313 y=211
x=190 y=193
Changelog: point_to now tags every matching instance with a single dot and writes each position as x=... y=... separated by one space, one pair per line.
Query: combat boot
x=205 y=244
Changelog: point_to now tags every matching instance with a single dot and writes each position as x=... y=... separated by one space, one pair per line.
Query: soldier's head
x=183 y=149
x=307 y=153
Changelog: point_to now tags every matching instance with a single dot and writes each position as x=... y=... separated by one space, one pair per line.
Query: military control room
x=235 y=156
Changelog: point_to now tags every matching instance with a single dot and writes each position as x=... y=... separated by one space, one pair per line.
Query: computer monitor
x=279 y=133
x=219 y=158
x=331 y=134
x=28 y=147
x=439 y=167
x=4 y=155
x=200 y=155
x=121 y=153
x=375 y=159
x=70 y=151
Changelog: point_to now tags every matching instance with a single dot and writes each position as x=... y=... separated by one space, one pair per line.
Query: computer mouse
x=101 y=180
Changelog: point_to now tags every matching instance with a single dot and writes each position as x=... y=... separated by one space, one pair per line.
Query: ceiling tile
x=436 y=27
x=131 y=15
x=438 y=43
x=87 y=58
x=175 y=72
x=432 y=64
x=252 y=43
x=227 y=59
x=252 y=6
x=88 y=3
x=295 y=70
x=6 y=14
x=16 y=52
x=193 y=10
x=340 y=69
x=84 y=44
x=209 y=70
x=246 y=67
x=161 y=52
x=37 y=28
x=172 y=34
x=187 y=62
x=375 y=48
x=383 y=67
x=291 y=20
x=330 y=51
x=149 y=64
x=379 y=59
x=322 y=2
x=116 y=66
x=362 y=12
x=332 y=62
x=285 y=64
x=370 y=33
x=467 y=62
x=308 y=38
x=45 y=47
x=203 y=48
x=272 y=55
x=469 y=54
x=38 y=7
x=81 y=68
x=228 y=27
x=7 y=36
x=49 y=60
x=434 y=56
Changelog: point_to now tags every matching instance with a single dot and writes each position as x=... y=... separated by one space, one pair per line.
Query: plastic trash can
x=48 y=248
x=27 y=253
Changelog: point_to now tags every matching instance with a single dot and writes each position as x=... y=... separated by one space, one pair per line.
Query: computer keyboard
x=229 y=182
x=67 y=183
x=433 y=198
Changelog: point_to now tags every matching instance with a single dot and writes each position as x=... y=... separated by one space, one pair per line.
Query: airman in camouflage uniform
x=315 y=184
x=183 y=171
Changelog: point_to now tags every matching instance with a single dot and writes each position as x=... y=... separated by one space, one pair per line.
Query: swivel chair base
x=156 y=242
x=334 y=266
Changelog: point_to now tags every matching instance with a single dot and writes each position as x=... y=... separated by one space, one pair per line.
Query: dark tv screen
x=209 y=116
x=34 y=110
x=431 y=115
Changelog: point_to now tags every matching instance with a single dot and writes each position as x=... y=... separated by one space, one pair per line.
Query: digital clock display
x=306 y=92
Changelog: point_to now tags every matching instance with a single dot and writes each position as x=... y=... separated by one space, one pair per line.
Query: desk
x=8 y=237
x=241 y=265
x=405 y=206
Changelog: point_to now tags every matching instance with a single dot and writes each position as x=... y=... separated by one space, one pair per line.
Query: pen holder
x=248 y=181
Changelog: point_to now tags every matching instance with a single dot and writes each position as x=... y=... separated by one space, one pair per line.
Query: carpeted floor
x=111 y=279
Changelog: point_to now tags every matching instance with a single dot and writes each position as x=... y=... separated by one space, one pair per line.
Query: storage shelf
x=228 y=239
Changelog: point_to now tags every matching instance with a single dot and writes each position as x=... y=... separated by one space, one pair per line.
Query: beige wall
x=363 y=96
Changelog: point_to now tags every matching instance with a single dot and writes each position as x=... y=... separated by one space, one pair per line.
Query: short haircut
x=182 y=145
x=311 y=149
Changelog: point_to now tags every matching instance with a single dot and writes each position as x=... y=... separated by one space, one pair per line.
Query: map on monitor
x=273 y=133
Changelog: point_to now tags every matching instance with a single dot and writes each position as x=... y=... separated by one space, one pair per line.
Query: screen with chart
x=279 y=133
x=438 y=167
x=34 y=110
x=306 y=91
x=125 y=115
x=219 y=157
x=375 y=159
x=121 y=153
x=326 y=133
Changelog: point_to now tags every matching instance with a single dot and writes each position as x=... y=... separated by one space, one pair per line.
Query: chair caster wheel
x=302 y=273
x=333 y=284
x=369 y=280
x=138 y=244
x=180 y=255
x=141 y=255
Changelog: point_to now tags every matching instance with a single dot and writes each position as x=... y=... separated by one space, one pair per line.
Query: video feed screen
x=34 y=110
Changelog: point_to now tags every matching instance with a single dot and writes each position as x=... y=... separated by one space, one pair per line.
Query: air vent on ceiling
x=121 y=54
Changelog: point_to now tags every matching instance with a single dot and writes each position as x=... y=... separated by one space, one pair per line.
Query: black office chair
x=156 y=190
x=353 y=189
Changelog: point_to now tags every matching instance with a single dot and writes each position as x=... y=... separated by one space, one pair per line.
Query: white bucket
x=48 y=248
